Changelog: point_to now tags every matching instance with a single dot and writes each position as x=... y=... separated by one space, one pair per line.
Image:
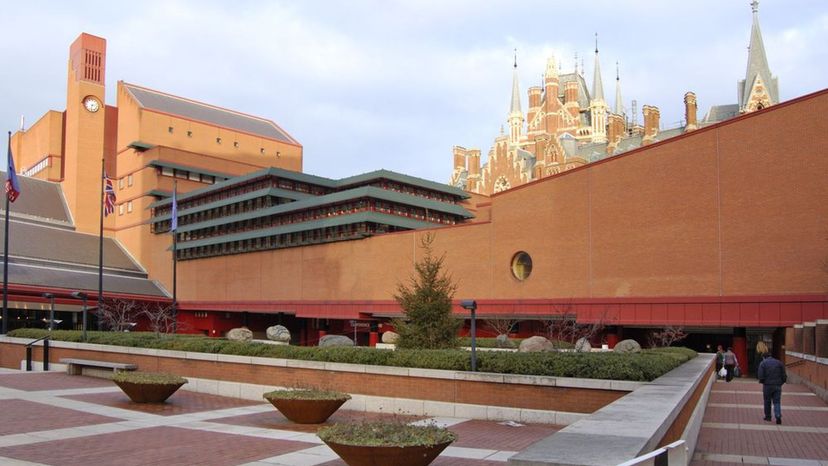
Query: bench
x=76 y=366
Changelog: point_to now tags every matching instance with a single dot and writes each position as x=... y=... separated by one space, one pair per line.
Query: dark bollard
x=28 y=358
x=46 y=354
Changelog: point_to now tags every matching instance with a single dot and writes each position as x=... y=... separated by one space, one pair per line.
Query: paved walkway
x=57 y=419
x=733 y=431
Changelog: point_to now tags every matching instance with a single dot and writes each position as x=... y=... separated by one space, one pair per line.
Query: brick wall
x=453 y=390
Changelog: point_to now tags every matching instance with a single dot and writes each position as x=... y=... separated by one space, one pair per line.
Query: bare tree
x=120 y=314
x=501 y=325
x=563 y=326
x=159 y=317
x=666 y=336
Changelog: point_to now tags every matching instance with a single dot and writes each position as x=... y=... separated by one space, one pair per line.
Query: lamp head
x=48 y=295
x=79 y=295
x=468 y=304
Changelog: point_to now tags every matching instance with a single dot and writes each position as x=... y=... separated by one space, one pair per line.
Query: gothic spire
x=619 y=106
x=597 y=83
x=515 y=107
x=757 y=65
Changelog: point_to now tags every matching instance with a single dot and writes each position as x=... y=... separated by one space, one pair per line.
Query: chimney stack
x=616 y=132
x=534 y=102
x=571 y=98
x=459 y=158
x=651 y=124
x=690 y=107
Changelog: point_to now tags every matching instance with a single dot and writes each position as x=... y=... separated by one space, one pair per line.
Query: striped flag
x=12 y=184
x=109 y=196
x=174 y=220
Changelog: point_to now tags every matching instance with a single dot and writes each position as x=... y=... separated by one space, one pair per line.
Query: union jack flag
x=12 y=185
x=109 y=196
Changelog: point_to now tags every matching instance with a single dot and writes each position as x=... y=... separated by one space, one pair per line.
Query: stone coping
x=563 y=382
x=624 y=429
x=807 y=357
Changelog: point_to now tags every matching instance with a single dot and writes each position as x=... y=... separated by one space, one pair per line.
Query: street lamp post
x=471 y=305
x=83 y=297
x=51 y=298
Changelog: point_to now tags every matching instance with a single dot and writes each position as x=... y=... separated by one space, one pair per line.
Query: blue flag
x=174 y=220
x=12 y=185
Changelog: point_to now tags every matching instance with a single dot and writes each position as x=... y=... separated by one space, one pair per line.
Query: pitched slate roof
x=39 y=200
x=198 y=111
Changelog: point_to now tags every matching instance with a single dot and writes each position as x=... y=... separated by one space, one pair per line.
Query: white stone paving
x=133 y=420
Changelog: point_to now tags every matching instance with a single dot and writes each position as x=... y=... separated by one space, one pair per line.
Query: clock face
x=91 y=104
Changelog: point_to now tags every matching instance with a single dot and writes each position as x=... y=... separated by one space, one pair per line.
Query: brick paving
x=733 y=431
x=57 y=419
x=183 y=402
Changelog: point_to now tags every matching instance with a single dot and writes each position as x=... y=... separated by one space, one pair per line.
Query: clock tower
x=85 y=121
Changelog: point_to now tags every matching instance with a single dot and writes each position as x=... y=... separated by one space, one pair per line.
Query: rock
x=278 y=333
x=503 y=341
x=390 y=337
x=583 y=345
x=535 y=344
x=627 y=346
x=329 y=341
x=240 y=334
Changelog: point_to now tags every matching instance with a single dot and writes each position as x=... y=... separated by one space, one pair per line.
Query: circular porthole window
x=521 y=265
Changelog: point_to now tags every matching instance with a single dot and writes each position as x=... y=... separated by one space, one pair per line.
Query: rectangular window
x=121 y=183
x=121 y=209
x=166 y=171
x=129 y=206
x=129 y=180
x=194 y=176
x=181 y=174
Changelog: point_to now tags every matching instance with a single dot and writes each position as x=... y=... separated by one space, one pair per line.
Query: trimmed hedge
x=644 y=366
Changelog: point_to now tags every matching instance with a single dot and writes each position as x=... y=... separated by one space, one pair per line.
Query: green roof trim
x=373 y=217
x=370 y=192
x=329 y=183
x=275 y=192
x=140 y=146
x=178 y=166
x=159 y=193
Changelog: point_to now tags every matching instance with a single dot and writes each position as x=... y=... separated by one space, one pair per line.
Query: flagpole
x=99 y=312
x=5 y=326
x=174 y=223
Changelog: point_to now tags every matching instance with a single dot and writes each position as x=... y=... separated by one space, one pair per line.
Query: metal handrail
x=29 y=347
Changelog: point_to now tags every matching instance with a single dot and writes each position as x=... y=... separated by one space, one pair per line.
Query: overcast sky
x=365 y=85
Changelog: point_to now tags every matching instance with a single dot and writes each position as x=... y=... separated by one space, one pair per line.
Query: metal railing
x=45 y=353
x=674 y=454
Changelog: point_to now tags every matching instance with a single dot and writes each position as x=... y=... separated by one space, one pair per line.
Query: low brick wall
x=534 y=394
x=806 y=357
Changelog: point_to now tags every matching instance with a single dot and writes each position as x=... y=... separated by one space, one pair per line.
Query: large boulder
x=329 y=341
x=503 y=341
x=535 y=344
x=583 y=345
x=240 y=334
x=627 y=346
x=278 y=333
x=390 y=337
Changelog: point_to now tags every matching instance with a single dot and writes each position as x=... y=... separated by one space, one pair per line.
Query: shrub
x=644 y=366
x=386 y=434
x=306 y=394
x=150 y=378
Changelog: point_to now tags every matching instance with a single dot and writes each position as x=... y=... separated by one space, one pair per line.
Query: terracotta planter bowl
x=306 y=411
x=148 y=392
x=359 y=455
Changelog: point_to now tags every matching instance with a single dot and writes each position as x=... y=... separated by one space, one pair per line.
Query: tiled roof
x=79 y=280
x=38 y=200
x=198 y=111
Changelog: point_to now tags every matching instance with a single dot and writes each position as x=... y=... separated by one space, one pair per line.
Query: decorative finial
x=576 y=62
x=515 y=58
x=754 y=6
x=617 y=72
x=596 y=42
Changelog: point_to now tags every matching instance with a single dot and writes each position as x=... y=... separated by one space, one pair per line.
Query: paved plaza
x=733 y=431
x=57 y=419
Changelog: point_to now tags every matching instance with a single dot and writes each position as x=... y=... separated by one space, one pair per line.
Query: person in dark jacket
x=772 y=375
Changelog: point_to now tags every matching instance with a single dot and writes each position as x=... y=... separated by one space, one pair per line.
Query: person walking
x=719 y=359
x=761 y=350
x=772 y=375
x=730 y=363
